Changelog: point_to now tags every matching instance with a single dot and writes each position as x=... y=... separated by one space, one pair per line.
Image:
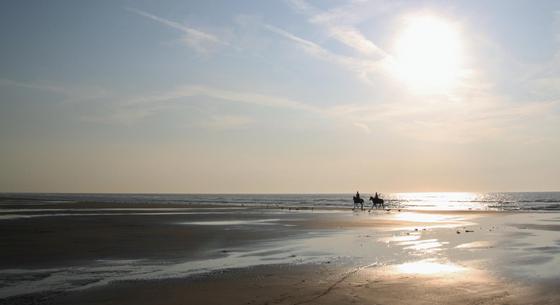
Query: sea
x=500 y=201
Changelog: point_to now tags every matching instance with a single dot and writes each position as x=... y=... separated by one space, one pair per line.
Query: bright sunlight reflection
x=440 y=201
x=428 y=54
x=428 y=267
x=418 y=217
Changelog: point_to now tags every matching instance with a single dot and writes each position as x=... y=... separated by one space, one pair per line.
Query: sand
x=149 y=254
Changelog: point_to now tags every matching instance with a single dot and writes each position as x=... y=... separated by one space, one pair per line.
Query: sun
x=428 y=54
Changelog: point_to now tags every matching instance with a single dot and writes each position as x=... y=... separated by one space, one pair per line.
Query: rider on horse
x=376 y=201
x=358 y=200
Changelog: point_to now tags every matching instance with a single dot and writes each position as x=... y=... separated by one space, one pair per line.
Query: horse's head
x=370 y=198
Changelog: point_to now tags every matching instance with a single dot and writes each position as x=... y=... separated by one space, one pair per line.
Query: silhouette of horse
x=376 y=202
x=357 y=201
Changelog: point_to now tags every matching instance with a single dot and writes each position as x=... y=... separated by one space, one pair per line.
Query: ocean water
x=521 y=201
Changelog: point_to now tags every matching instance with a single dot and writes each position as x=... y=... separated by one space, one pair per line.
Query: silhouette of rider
x=376 y=196
x=357 y=195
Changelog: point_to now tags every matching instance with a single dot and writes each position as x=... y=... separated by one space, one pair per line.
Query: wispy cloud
x=227 y=122
x=35 y=86
x=198 y=40
x=362 y=126
x=355 y=39
x=313 y=48
x=370 y=58
x=344 y=33
x=480 y=116
x=361 y=67
x=68 y=93
x=223 y=94
x=133 y=109
x=443 y=119
x=483 y=116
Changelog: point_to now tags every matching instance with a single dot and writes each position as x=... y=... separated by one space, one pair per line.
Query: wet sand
x=317 y=284
x=172 y=254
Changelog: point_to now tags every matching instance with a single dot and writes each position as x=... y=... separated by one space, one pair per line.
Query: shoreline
x=186 y=205
x=518 y=201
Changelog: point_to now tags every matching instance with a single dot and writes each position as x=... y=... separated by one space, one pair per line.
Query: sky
x=287 y=96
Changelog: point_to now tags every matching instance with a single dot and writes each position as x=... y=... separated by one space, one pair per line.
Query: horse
x=375 y=202
x=357 y=201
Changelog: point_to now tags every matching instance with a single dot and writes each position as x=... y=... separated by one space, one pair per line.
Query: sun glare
x=428 y=267
x=428 y=54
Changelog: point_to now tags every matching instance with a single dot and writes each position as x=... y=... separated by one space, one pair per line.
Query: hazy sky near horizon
x=279 y=96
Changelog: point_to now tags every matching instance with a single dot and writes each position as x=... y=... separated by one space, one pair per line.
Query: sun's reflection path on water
x=440 y=200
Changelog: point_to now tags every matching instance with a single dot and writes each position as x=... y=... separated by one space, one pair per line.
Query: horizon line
x=263 y=193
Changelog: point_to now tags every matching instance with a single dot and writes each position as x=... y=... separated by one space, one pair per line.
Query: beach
x=145 y=253
x=290 y=152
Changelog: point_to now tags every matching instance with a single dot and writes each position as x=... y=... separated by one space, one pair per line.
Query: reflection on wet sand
x=309 y=257
x=398 y=238
x=425 y=217
x=424 y=246
x=476 y=245
x=428 y=267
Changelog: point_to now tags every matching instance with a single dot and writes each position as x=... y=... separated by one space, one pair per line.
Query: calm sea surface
x=432 y=201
